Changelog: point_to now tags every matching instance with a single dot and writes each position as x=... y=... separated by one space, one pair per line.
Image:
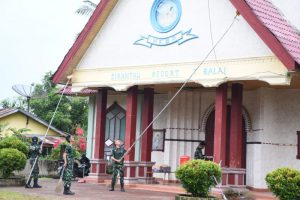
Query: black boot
x=35 y=184
x=70 y=192
x=27 y=185
x=112 y=187
x=122 y=187
x=67 y=191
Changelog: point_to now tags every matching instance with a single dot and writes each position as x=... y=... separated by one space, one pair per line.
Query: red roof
x=83 y=92
x=271 y=17
x=261 y=15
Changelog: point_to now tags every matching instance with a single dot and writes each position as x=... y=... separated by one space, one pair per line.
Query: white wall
x=113 y=46
x=274 y=117
x=281 y=114
x=274 y=114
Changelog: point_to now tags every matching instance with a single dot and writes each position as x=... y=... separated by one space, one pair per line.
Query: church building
x=240 y=60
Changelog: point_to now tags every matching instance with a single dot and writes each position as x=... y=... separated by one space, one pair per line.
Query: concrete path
x=87 y=191
x=90 y=191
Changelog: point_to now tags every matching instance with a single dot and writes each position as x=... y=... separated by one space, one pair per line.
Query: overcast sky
x=35 y=35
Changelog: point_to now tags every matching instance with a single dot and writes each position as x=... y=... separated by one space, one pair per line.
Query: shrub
x=14 y=143
x=11 y=160
x=284 y=183
x=197 y=176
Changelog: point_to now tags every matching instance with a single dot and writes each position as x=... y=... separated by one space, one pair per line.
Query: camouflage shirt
x=118 y=153
x=34 y=150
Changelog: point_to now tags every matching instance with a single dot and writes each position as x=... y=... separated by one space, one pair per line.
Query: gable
x=114 y=44
x=19 y=120
x=113 y=49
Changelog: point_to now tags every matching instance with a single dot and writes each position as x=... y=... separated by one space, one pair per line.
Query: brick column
x=130 y=133
x=236 y=134
x=145 y=168
x=236 y=124
x=220 y=124
x=147 y=117
x=98 y=168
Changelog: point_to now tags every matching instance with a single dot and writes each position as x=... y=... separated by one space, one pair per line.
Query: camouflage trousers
x=36 y=169
x=68 y=173
x=118 y=169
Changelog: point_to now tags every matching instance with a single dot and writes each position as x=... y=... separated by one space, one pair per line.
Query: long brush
x=60 y=183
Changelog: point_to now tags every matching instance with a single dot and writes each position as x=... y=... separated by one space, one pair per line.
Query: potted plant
x=197 y=178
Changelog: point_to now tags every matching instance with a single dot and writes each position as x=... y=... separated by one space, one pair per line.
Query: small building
x=12 y=118
x=235 y=64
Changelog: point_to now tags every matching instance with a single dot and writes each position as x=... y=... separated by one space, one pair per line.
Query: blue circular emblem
x=165 y=15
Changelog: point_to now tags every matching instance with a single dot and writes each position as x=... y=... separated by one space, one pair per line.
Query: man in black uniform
x=118 y=166
x=34 y=152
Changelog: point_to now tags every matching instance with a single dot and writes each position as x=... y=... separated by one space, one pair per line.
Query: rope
x=210 y=30
x=179 y=90
x=41 y=147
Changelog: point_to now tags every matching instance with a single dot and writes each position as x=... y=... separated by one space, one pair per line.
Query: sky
x=35 y=35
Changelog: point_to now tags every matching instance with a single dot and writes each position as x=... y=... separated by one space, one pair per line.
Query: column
x=236 y=134
x=298 y=145
x=98 y=162
x=145 y=169
x=90 y=129
x=130 y=132
x=220 y=124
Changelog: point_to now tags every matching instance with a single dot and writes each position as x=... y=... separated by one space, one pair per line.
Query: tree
x=18 y=102
x=71 y=113
x=87 y=8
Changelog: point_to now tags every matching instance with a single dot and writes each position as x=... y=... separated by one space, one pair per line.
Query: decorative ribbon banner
x=178 y=38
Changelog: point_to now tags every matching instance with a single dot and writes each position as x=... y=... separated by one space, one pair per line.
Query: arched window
x=115 y=123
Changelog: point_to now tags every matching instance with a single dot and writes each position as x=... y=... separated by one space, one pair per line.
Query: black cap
x=68 y=138
x=34 y=139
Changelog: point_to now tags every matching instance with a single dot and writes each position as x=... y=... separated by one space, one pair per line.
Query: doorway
x=209 y=136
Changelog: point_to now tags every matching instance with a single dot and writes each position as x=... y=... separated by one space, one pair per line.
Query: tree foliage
x=87 y=8
x=72 y=111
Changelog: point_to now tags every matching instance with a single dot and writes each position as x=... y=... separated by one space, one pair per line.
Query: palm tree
x=87 y=8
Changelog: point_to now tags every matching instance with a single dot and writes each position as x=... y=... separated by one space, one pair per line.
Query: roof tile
x=272 y=18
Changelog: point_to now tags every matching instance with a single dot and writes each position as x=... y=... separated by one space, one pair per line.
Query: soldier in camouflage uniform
x=198 y=153
x=69 y=157
x=34 y=152
x=118 y=166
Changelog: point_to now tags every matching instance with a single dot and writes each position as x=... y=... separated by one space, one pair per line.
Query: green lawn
x=8 y=195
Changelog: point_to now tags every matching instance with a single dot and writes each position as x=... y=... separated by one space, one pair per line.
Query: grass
x=8 y=195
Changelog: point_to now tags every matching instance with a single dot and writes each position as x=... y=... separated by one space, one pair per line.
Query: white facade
x=271 y=141
x=114 y=60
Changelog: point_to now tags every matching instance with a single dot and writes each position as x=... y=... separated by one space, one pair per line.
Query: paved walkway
x=87 y=191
